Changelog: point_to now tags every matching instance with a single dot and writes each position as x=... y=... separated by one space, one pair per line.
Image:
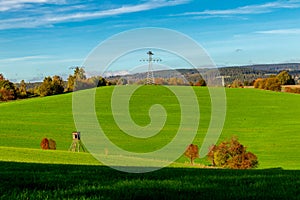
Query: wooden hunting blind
x=76 y=144
x=76 y=135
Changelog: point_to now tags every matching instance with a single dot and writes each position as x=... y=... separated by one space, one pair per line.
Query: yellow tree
x=192 y=152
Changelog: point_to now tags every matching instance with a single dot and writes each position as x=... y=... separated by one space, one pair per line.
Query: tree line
x=78 y=81
x=273 y=82
x=50 y=86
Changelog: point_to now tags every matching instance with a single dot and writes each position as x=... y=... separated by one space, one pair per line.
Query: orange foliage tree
x=232 y=154
x=48 y=144
x=192 y=152
x=45 y=143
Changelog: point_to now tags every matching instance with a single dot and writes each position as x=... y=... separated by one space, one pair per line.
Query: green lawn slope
x=266 y=122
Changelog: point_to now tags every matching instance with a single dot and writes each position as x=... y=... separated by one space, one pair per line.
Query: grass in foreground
x=56 y=181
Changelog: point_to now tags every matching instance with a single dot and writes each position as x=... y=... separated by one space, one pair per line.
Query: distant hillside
x=246 y=73
x=274 y=67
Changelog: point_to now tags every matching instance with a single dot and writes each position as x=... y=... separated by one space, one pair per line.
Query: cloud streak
x=24 y=58
x=280 y=32
x=247 y=10
x=68 y=12
x=117 y=11
x=6 y=5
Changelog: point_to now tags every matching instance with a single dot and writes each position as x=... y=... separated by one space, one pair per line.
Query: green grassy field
x=266 y=122
x=57 y=181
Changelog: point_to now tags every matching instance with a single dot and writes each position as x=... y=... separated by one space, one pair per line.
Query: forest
x=269 y=77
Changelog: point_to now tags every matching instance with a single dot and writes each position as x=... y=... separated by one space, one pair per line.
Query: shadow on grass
x=54 y=181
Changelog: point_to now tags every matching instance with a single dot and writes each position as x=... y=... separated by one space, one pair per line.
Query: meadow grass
x=14 y=154
x=58 y=181
x=266 y=122
x=24 y=123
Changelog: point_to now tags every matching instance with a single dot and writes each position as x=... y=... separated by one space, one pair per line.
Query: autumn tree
x=7 y=89
x=51 y=86
x=285 y=78
x=192 y=152
x=159 y=81
x=79 y=81
x=257 y=83
x=237 y=84
x=71 y=83
x=273 y=84
x=57 y=85
x=175 y=81
x=6 y=95
x=210 y=154
x=232 y=154
x=44 y=143
x=21 y=90
x=260 y=83
x=45 y=87
x=79 y=73
x=200 y=82
x=78 y=76
x=97 y=81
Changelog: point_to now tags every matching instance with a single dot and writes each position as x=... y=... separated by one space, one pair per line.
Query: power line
x=150 y=77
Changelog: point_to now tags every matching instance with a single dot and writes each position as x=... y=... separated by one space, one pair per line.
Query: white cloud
x=118 y=11
x=6 y=5
x=280 y=32
x=23 y=58
x=70 y=12
x=250 y=9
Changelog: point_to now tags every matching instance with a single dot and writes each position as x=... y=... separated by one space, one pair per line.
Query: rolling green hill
x=266 y=122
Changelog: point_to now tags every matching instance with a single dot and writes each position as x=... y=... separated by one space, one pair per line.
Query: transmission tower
x=150 y=60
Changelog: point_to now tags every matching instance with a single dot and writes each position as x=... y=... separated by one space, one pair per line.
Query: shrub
x=48 y=144
x=273 y=84
x=262 y=84
x=259 y=83
x=200 y=82
x=52 y=144
x=210 y=154
x=292 y=90
x=192 y=152
x=232 y=154
x=237 y=84
x=256 y=83
x=296 y=90
x=45 y=143
x=6 y=95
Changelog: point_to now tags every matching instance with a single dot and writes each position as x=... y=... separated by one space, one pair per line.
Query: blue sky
x=45 y=37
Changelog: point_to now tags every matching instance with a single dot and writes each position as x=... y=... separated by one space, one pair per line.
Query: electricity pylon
x=150 y=77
